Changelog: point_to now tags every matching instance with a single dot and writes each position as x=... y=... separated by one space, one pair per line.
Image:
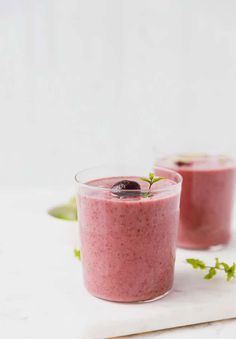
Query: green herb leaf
x=211 y=273
x=146 y=194
x=217 y=264
x=151 y=176
x=72 y=201
x=225 y=266
x=65 y=212
x=231 y=272
x=145 y=179
x=212 y=270
x=196 y=263
x=77 y=253
x=151 y=180
x=157 y=179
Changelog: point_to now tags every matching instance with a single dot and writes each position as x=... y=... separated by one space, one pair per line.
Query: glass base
x=217 y=247
x=138 y=301
x=213 y=248
x=157 y=298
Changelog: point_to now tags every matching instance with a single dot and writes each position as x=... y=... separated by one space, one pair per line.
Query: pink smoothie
x=206 y=199
x=128 y=244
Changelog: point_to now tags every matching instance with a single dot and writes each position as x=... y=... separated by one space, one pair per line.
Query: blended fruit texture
x=128 y=244
x=206 y=199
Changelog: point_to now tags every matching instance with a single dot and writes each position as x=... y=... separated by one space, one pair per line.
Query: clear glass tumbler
x=206 y=200
x=128 y=238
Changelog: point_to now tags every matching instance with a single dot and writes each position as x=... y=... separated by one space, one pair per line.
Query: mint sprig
x=230 y=271
x=77 y=253
x=66 y=212
x=151 y=180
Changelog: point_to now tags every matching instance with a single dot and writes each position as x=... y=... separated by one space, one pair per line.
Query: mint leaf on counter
x=65 y=212
x=196 y=263
x=211 y=273
x=230 y=271
x=77 y=253
x=72 y=201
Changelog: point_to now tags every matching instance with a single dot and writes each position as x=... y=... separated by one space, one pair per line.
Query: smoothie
x=206 y=199
x=128 y=242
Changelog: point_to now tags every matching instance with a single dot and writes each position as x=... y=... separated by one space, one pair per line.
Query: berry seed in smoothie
x=206 y=199
x=128 y=237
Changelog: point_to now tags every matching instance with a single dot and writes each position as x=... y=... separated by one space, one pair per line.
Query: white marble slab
x=41 y=290
x=211 y=330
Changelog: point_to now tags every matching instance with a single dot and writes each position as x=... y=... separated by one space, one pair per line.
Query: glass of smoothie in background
x=206 y=200
x=128 y=232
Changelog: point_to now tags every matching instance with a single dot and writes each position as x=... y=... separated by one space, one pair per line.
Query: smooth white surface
x=219 y=330
x=85 y=82
x=41 y=292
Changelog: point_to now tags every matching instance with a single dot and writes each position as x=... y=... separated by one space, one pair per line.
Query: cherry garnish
x=183 y=163
x=126 y=188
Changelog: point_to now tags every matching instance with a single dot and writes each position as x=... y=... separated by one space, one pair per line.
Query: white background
x=86 y=82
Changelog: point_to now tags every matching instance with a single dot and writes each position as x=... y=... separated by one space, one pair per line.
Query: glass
x=128 y=243
x=206 y=200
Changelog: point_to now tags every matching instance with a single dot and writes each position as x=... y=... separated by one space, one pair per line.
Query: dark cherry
x=183 y=163
x=120 y=187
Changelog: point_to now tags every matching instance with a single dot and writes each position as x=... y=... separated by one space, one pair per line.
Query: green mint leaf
x=231 y=272
x=217 y=264
x=151 y=180
x=145 y=179
x=212 y=270
x=225 y=266
x=77 y=253
x=157 y=179
x=147 y=194
x=72 y=201
x=211 y=273
x=151 y=176
x=196 y=263
x=65 y=212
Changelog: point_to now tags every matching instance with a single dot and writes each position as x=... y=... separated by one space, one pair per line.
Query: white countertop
x=27 y=242
x=225 y=329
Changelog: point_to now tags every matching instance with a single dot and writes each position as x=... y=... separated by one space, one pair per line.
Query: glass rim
x=177 y=184
x=195 y=156
x=226 y=161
